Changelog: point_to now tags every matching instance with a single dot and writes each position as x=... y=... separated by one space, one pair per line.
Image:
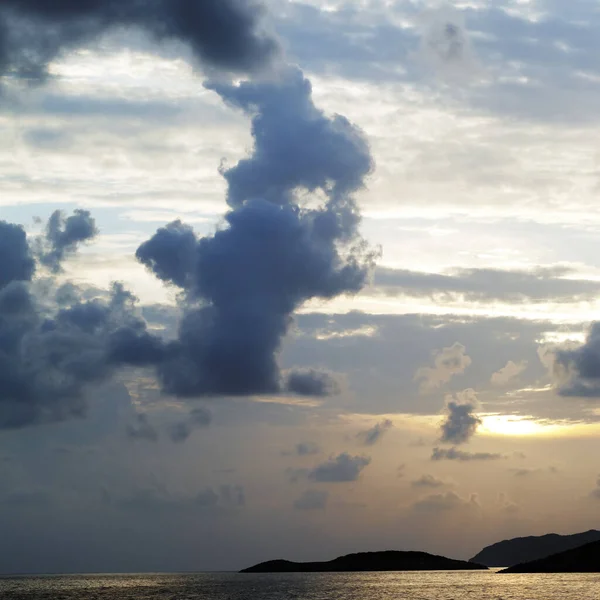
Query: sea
x=423 y=585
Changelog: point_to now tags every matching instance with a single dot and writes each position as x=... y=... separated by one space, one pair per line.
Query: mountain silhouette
x=525 y=549
x=369 y=561
x=584 y=559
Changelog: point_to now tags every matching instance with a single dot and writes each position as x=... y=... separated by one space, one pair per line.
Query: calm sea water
x=311 y=586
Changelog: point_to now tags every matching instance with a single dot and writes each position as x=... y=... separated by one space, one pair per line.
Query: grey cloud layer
x=487 y=285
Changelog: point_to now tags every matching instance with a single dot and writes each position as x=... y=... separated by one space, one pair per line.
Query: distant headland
x=389 y=560
x=584 y=559
x=524 y=549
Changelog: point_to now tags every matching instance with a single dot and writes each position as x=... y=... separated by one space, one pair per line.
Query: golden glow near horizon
x=521 y=426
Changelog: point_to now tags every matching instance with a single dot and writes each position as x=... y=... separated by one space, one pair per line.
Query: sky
x=293 y=279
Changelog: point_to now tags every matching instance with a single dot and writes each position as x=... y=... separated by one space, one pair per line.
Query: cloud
x=448 y=362
x=445 y=502
x=428 y=481
x=54 y=344
x=312 y=500
x=460 y=424
x=307 y=449
x=17 y=262
x=198 y=418
x=445 y=43
x=296 y=146
x=243 y=284
x=454 y=454
x=142 y=429
x=508 y=373
x=371 y=436
x=539 y=285
x=64 y=235
x=224 y=34
x=340 y=469
x=310 y=382
x=578 y=369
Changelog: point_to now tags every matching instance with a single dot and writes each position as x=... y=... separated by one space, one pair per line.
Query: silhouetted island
x=526 y=549
x=584 y=559
x=369 y=561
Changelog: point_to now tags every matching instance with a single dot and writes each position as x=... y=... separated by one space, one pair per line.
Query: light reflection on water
x=465 y=585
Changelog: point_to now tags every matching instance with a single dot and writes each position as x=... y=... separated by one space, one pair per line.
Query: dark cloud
x=312 y=500
x=54 y=343
x=428 y=481
x=243 y=284
x=310 y=382
x=460 y=424
x=64 y=235
x=454 y=454
x=296 y=146
x=578 y=368
x=340 y=469
x=17 y=263
x=373 y=435
x=225 y=34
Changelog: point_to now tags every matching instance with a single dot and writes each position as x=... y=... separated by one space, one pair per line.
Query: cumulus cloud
x=371 y=436
x=312 y=500
x=460 y=424
x=225 y=34
x=341 y=468
x=448 y=362
x=578 y=368
x=243 y=284
x=64 y=235
x=508 y=373
x=54 y=343
x=459 y=455
x=239 y=287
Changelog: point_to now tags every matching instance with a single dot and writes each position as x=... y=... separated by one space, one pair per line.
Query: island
x=525 y=549
x=585 y=559
x=389 y=560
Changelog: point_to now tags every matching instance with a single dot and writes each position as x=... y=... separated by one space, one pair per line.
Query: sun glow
x=514 y=425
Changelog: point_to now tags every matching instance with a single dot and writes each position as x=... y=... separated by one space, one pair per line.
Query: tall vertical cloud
x=243 y=284
x=225 y=34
